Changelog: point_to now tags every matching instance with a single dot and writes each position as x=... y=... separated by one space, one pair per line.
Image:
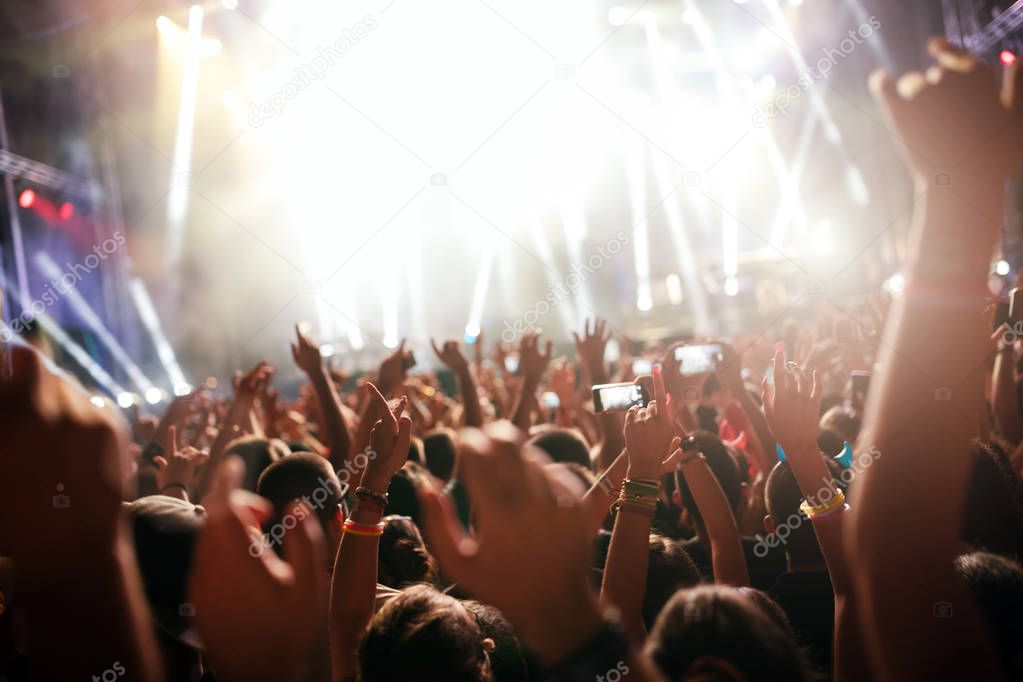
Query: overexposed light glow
x=151 y=321
x=153 y=395
x=896 y=284
x=125 y=399
x=327 y=350
x=97 y=401
x=673 y=285
x=1002 y=267
x=731 y=286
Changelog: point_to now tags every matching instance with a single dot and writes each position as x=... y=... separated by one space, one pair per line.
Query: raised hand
x=591 y=348
x=793 y=406
x=450 y=354
x=529 y=555
x=393 y=369
x=649 y=432
x=275 y=629
x=533 y=363
x=306 y=353
x=563 y=384
x=388 y=442
x=957 y=119
x=176 y=472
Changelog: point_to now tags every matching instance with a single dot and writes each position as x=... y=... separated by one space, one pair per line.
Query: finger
x=159 y=461
x=631 y=415
x=815 y=392
x=910 y=85
x=435 y=349
x=767 y=396
x=404 y=436
x=950 y=56
x=399 y=408
x=780 y=375
x=172 y=436
x=659 y=392
x=576 y=337
x=1012 y=86
x=548 y=350
x=228 y=477
x=886 y=93
x=377 y=398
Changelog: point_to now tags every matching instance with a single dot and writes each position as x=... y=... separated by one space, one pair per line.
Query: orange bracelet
x=375 y=530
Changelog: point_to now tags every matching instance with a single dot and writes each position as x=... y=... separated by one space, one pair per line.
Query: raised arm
x=648 y=437
x=353 y=586
x=451 y=356
x=1004 y=394
x=729 y=374
x=532 y=365
x=591 y=348
x=307 y=356
x=907 y=509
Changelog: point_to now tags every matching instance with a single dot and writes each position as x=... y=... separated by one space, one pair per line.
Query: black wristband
x=606 y=651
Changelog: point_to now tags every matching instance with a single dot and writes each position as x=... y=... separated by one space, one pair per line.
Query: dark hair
x=415 y=450
x=992 y=516
x=440 y=452
x=509 y=662
x=996 y=583
x=257 y=453
x=843 y=421
x=402 y=499
x=403 y=558
x=830 y=442
x=782 y=497
x=563 y=445
x=669 y=569
x=714 y=628
x=299 y=476
x=423 y=634
x=721 y=464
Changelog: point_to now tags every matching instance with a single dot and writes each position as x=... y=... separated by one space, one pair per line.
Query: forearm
x=613 y=440
x=625 y=571
x=762 y=443
x=63 y=616
x=522 y=413
x=230 y=428
x=727 y=558
x=470 y=399
x=352 y=594
x=339 y=440
x=597 y=500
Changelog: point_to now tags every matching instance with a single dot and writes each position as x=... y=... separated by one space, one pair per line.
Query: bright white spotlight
x=327 y=350
x=1002 y=268
x=125 y=399
x=229 y=4
x=643 y=301
x=153 y=395
x=163 y=24
x=731 y=286
x=895 y=284
x=182 y=389
x=821 y=239
x=211 y=46
x=97 y=401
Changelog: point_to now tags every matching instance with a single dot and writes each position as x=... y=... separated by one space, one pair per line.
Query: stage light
x=164 y=24
x=895 y=284
x=211 y=46
x=27 y=198
x=673 y=284
x=229 y=4
x=731 y=286
x=153 y=395
x=1007 y=57
x=326 y=350
x=151 y=321
x=66 y=211
x=1002 y=268
x=125 y=399
x=182 y=389
x=479 y=294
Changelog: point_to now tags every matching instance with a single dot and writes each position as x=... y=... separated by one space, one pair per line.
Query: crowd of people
x=772 y=518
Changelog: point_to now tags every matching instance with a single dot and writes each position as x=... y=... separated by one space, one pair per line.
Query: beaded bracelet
x=363 y=492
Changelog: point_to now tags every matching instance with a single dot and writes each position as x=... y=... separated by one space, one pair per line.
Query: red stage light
x=1007 y=57
x=67 y=209
x=26 y=198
